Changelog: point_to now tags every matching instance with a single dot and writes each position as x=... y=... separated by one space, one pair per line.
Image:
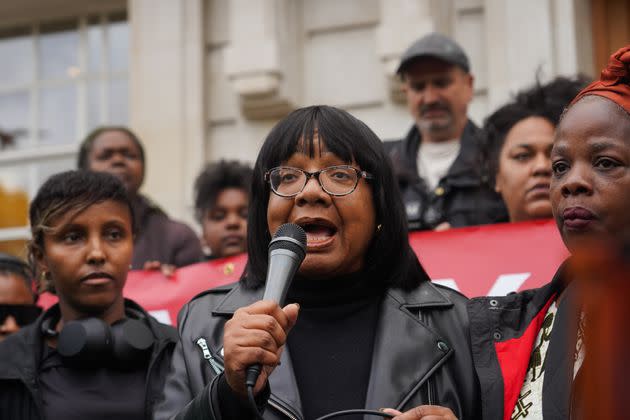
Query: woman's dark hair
x=389 y=255
x=546 y=101
x=70 y=192
x=88 y=142
x=215 y=178
x=10 y=265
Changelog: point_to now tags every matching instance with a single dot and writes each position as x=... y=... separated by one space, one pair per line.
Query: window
x=58 y=80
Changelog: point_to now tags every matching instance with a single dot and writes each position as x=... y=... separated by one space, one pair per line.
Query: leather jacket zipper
x=218 y=368
x=203 y=345
x=285 y=410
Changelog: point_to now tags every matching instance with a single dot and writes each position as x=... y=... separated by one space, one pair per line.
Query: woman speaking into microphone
x=364 y=328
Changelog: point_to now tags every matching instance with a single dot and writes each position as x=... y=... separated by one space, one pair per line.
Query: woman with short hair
x=94 y=354
x=518 y=138
x=365 y=327
x=160 y=242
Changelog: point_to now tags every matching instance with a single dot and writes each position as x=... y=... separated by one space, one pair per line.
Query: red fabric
x=513 y=356
x=614 y=82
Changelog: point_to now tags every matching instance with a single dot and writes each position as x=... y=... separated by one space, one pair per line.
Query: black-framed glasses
x=338 y=180
x=23 y=314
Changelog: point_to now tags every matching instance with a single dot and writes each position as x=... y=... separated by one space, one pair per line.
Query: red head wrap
x=614 y=82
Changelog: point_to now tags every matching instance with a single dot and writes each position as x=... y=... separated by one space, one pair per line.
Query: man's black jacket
x=462 y=198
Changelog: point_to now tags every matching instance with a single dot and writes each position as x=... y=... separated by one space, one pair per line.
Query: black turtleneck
x=331 y=344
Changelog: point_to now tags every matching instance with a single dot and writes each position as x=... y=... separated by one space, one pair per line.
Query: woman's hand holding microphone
x=256 y=334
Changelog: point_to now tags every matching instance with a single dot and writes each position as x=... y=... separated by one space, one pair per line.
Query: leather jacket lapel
x=283 y=384
x=406 y=350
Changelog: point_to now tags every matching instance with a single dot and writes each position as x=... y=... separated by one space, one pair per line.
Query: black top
x=102 y=393
x=332 y=343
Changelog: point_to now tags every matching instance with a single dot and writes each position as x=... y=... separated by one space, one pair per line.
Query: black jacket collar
x=411 y=337
x=463 y=172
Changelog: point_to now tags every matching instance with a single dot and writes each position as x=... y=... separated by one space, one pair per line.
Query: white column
x=263 y=56
x=520 y=39
x=167 y=102
x=402 y=22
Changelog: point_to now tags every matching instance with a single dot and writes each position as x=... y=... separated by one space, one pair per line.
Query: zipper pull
x=203 y=345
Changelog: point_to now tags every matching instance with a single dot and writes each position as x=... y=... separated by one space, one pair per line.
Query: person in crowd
x=17 y=295
x=520 y=341
x=365 y=328
x=160 y=242
x=94 y=355
x=438 y=162
x=518 y=138
x=221 y=202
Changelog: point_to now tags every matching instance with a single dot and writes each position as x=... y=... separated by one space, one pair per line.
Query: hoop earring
x=45 y=283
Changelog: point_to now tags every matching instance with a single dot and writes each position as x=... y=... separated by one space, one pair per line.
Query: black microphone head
x=289 y=236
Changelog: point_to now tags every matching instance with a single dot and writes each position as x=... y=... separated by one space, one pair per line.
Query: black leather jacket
x=463 y=197
x=421 y=356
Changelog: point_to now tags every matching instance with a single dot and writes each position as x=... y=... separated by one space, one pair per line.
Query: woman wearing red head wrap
x=526 y=371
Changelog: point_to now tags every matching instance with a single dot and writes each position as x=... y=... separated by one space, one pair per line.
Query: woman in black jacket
x=94 y=355
x=372 y=330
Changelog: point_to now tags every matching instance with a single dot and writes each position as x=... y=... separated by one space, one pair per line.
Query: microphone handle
x=253 y=372
x=283 y=264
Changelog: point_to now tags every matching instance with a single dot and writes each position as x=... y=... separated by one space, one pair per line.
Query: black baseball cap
x=438 y=46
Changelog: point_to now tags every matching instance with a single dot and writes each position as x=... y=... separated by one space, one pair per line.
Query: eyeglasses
x=23 y=314
x=335 y=180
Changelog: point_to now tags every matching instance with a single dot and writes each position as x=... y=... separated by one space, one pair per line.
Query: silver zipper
x=203 y=345
x=218 y=368
x=281 y=409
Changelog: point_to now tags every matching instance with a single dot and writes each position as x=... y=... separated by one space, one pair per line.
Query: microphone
x=287 y=250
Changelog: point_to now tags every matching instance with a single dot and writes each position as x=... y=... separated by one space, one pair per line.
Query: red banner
x=482 y=260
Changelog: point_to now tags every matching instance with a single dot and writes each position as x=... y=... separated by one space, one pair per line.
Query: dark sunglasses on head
x=23 y=314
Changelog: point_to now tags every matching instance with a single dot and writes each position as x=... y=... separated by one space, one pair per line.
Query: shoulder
x=428 y=295
x=204 y=304
x=159 y=330
x=16 y=349
x=453 y=295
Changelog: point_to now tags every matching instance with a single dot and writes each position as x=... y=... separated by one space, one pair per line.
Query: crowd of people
x=365 y=328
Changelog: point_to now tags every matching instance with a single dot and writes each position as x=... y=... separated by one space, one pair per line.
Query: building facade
x=200 y=80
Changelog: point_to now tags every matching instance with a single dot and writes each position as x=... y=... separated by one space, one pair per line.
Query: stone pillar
x=402 y=22
x=543 y=38
x=166 y=97
x=262 y=59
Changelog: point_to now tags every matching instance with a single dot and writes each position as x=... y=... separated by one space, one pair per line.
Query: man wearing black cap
x=438 y=163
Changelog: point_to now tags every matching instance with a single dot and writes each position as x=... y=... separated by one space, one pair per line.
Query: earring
x=378 y=227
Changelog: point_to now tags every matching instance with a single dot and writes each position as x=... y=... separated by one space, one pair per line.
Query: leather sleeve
x=177 y=391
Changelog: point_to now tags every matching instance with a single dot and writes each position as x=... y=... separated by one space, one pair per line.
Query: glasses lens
x=287 y=181
x=339 y=180
x=23 y=314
